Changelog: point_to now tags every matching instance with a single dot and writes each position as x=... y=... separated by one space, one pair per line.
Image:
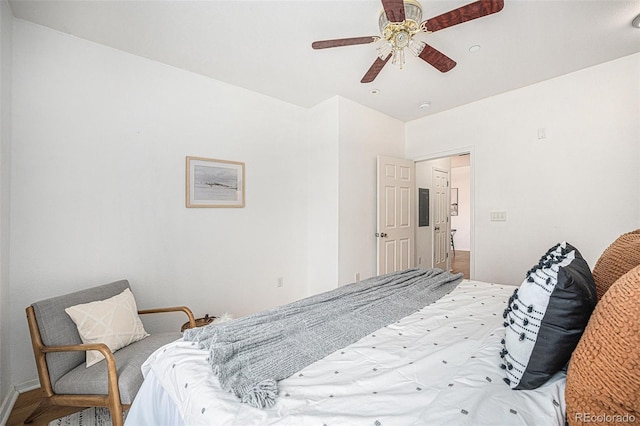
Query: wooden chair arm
x=101 y=347
x=84 y=347
x=112 y=372
x=184 y=309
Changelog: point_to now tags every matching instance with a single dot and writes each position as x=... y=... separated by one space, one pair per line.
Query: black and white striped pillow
x=546 y=317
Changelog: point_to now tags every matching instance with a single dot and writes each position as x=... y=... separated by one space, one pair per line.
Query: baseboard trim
x=28 y=385
x=7 y=405
x=12 y=397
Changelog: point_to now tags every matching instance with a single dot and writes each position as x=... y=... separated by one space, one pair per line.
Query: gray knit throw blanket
x=251 y=354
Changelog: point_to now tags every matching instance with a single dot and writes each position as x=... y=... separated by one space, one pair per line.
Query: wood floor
x=460 y=262
x=27 y=402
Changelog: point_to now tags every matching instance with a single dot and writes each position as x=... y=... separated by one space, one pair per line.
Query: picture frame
x=214 y=183
x=454 y=201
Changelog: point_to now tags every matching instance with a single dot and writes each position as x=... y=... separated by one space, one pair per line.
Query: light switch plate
x=499 y=216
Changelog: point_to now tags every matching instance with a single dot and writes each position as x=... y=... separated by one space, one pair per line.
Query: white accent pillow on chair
x=114 y=322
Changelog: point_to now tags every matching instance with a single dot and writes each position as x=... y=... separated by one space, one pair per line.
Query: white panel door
x=395 y=214
x=441 y=213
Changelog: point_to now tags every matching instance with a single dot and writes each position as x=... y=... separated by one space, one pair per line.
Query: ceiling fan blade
x=394 y=9
x=323 y=44
x=375 y=69
x=437 y=59
x=463 y=14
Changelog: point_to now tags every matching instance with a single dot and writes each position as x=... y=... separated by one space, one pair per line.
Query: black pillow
x=546 y=316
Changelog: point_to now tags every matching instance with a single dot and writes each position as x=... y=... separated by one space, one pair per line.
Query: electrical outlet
x=544 y=133
x=357 y=276
x=280 y=282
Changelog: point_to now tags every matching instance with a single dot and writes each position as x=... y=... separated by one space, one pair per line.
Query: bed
x=443 y=364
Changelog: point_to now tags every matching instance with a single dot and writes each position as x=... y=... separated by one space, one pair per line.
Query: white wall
x=461 y=179
x=324 y=140
x=364 y=134
x=99 y=145
x=5 y=166
x=580 y=184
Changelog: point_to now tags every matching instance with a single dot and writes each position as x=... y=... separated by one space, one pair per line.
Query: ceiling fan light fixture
x=416 y=47
x=401 y=39
x=398 y=57
x=399 y=35
x=384 y=49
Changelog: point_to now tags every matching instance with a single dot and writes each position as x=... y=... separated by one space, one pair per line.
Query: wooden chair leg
x=116 y=415
x=43 y=405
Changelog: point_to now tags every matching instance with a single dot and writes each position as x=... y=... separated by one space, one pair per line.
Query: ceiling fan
x=399 y=22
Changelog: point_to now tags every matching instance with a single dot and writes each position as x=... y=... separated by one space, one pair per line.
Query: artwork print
x=214 y=183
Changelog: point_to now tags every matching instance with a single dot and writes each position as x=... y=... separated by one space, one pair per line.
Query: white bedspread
x=438 y=366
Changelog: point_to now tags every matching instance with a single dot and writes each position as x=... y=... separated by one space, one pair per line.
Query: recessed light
x=474 y=48
x=374 y=91
x=636 y=21
x=425 y=105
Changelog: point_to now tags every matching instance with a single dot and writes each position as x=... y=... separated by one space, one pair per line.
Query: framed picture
x=214 y=183
x=454 y=201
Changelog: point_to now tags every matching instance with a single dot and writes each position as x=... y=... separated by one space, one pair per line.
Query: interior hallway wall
x=461 y=179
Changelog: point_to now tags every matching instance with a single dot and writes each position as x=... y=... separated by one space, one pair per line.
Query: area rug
x=98 y=416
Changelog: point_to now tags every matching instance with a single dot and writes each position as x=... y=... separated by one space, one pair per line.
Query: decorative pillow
x=603 y=379
x=546 y=317
x=112 y=321
x=618 y=259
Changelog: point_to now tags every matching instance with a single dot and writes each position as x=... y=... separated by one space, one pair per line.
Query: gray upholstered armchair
x=60 y=355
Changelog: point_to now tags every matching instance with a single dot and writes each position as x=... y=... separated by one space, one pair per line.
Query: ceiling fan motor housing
x=412 y=12
x=399 y=35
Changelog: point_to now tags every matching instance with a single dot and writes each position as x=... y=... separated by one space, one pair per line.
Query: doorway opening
x=458 y=209
x=461 y=214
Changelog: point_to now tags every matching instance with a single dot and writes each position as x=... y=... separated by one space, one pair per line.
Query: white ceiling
x=265 y=45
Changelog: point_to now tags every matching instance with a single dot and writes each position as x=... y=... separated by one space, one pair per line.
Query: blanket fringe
x=261 y=395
